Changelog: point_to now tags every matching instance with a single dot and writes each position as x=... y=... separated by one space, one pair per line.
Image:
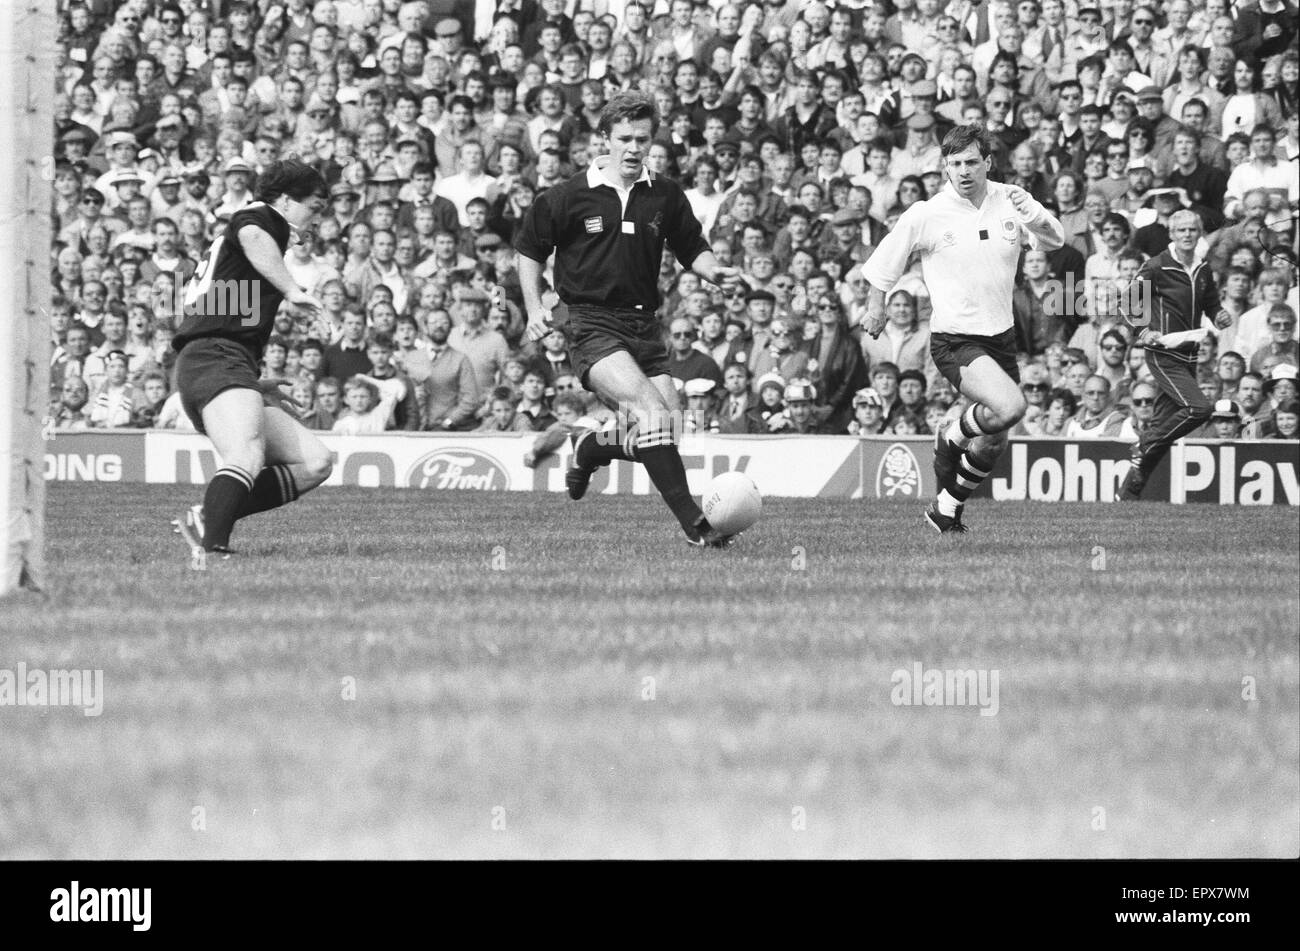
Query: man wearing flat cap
x=920 y=98
x=842 y=241
x=920 y=151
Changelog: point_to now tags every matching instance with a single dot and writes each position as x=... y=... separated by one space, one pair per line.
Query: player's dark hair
x=963 y=137
x=291 y=177
x=629 y=106
x=383 y=341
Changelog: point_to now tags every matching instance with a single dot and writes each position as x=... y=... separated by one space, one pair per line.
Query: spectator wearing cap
x=237 y=177
x=868 y=414
x=1151 y=110
x=700 y=415
x=920 y=151
x=124 y=186
x=800 y=415
x=167 y=200
x=121 y=148
x=769 y=405
x=1141 y=177
x=1280 y=384
x=920 y=98
x=1225 y=422
x=485 y=348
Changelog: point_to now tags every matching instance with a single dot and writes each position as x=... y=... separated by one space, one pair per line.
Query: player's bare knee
x=1013 y=411
x=318 y=467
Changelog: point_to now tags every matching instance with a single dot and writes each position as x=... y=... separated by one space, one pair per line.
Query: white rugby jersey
x=968 y=256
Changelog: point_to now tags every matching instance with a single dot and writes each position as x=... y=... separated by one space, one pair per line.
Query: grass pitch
x=538 y=678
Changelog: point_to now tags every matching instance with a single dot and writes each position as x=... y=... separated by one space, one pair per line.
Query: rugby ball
x=732 y=503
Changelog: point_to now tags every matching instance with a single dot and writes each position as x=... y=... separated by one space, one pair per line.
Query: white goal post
x=27 y=64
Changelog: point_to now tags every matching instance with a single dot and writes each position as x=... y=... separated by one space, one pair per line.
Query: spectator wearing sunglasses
x=1282 y=340
x=1142 y=404
x=1035 y=385
x=685 y=362
x=838 y=367
x=1112 y=350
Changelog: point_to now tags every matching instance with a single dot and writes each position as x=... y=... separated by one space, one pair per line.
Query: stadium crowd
x=801 y=131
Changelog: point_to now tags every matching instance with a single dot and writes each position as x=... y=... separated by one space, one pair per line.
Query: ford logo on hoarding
x=458 y=469
x=898 y=474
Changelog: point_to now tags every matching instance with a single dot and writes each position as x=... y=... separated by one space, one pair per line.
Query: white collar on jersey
x=596 y=174
x=951 y=190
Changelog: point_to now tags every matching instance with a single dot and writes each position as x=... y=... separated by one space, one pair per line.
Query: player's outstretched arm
x=706 y=266
x=1046 y=233
x=265 y=256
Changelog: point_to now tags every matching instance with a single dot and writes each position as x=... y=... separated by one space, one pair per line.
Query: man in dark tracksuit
x=1178 y=291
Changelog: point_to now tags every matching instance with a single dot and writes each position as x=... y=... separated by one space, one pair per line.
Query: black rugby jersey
x=604 y=255
x=227 y=297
